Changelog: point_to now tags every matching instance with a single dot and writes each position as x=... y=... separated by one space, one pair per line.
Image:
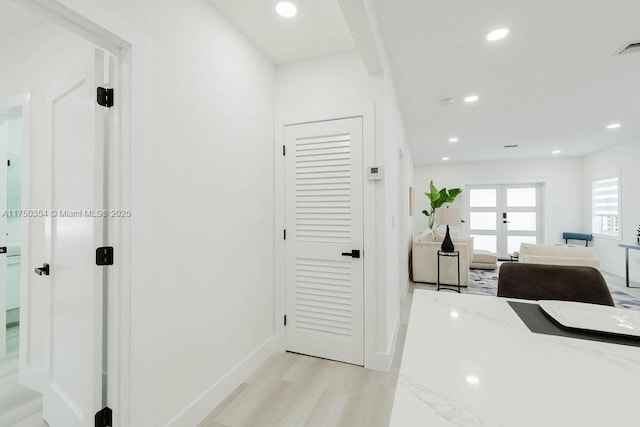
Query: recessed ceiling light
x=555 y=152
x=471 y=98
x=498 y=34
x=286 y=9
x=445 y=159
x=614 y=126
x=453 y=140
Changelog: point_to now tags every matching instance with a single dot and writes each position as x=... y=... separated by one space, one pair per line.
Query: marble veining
x=470 y=310
x=446 y=407
x=469 y=360
x=624 y=361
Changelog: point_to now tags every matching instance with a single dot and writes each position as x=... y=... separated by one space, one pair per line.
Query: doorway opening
x=55 y=182
x=14 y=159
x=12 y=132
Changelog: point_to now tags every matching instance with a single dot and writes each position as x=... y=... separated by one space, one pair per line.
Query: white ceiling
x=318 y=29
x=553 y=84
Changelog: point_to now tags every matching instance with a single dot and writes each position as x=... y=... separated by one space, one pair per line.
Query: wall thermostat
x=375 y=173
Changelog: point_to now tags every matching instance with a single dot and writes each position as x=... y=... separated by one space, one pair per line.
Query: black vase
x=447 y=244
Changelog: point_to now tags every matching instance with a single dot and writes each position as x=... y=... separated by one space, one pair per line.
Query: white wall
x=328 y=84
x=398 y=222
x=212 y=198
x=562 y=180
x=621 y=160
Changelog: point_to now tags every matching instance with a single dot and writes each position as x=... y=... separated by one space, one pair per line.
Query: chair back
x=553 y=282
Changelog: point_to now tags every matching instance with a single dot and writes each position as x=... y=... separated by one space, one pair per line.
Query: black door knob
x=355 y=253
x=42 y=271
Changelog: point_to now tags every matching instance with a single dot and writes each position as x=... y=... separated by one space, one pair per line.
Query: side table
x=455 y=254
x=626 y=247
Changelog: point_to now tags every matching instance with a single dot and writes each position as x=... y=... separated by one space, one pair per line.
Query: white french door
x=501 y=217
x=74 y=323
x=324 y=240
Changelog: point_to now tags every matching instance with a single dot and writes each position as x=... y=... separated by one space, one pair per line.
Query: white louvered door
x=324 y=220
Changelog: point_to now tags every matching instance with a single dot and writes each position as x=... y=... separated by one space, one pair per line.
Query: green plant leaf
x=432 y=187
x=434 y=194
x=453 y=193
x=438 y=198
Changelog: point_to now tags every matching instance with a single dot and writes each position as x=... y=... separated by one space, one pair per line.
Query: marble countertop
x=470 y=361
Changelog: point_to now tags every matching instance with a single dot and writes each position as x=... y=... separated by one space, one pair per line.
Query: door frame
x=372 y=358
x=22 y=100
x=129 y=180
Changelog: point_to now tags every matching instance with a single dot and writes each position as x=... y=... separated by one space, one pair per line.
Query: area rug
x=485 y=282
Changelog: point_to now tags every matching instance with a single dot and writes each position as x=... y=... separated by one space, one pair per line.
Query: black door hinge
x=104 y=418
x=8 y=162
x=284 y=150
x=104 y=255
x=285 y=320
x=285 y=234
x=105 y=97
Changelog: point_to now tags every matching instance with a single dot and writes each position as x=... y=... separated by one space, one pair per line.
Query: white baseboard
x=382 y=361
x=202 y=406
x=405 y=290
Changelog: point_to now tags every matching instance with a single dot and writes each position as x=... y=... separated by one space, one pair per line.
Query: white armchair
x=425 y=260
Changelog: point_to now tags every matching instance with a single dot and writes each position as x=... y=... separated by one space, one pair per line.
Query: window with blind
x=605 y=212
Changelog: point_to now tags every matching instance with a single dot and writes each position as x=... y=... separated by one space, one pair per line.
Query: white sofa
x=559 y=255
x=425 y=260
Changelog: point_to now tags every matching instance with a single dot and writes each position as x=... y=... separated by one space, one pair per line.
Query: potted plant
x=437 y=199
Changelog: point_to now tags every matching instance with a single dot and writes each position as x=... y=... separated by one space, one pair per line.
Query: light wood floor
x=19 y=406
x=295 y=390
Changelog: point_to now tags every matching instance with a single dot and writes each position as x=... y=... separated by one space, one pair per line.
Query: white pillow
x=427 y=236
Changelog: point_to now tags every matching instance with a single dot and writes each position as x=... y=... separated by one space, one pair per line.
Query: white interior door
x=324 y=235
x=73 y=349
x=501 y=217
